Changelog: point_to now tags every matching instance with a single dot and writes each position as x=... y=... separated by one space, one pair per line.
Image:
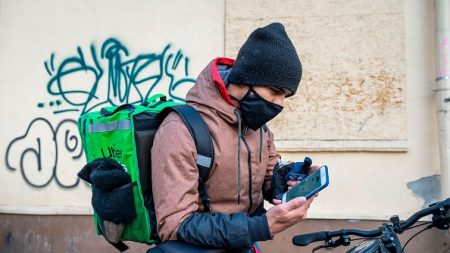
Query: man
x=236 y=99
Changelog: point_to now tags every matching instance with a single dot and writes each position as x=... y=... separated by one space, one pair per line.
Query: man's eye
x=277 y=92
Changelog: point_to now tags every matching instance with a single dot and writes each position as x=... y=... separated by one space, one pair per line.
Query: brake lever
x=343 y=240
x=328 y=244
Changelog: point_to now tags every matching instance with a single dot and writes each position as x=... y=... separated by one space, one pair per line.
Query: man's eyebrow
x=278 y=89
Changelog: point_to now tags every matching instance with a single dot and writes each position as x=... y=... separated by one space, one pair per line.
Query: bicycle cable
x=416 y=234
x=416 y=226
x=326 y=246
x=423 y=224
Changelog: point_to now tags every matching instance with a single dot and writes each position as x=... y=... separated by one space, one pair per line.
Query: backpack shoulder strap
x=203 y=142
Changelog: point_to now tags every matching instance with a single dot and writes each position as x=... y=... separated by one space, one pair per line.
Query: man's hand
x=292 y=183
x=298 y=170
x=286 y=176
x=282 y=216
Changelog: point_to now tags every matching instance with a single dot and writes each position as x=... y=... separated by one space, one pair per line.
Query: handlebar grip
x=303 y=240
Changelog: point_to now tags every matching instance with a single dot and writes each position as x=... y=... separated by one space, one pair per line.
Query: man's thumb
x=296 y=203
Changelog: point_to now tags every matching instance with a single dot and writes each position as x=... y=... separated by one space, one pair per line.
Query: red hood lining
x=218 y=79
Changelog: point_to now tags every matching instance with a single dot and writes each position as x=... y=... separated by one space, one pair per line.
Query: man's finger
x=313 y=169
x=309 y=201
x=292 y=183
x=276 y=201
x=295 y=203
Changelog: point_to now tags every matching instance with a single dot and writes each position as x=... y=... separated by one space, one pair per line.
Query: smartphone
x=310 y=186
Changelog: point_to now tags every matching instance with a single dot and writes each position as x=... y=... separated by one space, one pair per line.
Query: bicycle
x=384 y=239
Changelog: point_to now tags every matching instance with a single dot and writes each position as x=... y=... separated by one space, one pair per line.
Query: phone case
x=315 y=191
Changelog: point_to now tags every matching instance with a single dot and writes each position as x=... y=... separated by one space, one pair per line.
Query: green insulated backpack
x=117 y=143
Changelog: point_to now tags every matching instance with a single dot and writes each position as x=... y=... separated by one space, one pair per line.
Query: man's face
x=272 y=94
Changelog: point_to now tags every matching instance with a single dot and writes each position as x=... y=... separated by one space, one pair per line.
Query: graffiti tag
x=82 y=83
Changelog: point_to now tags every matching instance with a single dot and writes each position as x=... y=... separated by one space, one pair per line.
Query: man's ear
x=237 y=90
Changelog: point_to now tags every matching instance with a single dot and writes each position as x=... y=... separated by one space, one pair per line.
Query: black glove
x=112 y=191
x=284 y=173
x=299 y=171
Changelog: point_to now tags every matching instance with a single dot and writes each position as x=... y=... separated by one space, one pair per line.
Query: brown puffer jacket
x=240 y=171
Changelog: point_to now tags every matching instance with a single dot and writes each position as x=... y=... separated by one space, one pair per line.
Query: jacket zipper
x=249 y=160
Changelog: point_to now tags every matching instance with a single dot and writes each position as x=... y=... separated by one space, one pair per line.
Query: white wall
x=373 y=185
x=352 y=93
x=48 y=70
x=363 y=184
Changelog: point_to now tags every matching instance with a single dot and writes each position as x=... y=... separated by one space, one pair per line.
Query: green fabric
x=113 y=136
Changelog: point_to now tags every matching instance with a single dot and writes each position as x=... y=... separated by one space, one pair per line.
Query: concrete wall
x=388 y=178
x=63 y=61
x=348 y=99
x=358 y=40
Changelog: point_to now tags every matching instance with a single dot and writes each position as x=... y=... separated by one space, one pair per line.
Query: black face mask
x=256 y=111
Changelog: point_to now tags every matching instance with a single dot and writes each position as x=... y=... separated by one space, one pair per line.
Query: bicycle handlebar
x=427 y=211
x=305 y=239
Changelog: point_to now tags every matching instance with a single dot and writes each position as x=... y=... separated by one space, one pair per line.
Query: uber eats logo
x=110 y=152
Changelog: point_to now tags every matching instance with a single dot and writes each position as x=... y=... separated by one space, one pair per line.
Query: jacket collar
x=211 y=92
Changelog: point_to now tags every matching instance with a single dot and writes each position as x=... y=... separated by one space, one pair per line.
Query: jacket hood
x=210 y=91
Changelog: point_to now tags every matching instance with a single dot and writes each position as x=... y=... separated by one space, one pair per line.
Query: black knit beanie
x=268 y=58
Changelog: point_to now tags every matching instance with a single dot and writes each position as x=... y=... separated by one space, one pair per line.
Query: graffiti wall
x=60 y=59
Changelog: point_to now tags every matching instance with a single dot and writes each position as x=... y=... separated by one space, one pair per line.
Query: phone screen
x=312 y=184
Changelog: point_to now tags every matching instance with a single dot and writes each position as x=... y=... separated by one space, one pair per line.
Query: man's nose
x=279 y=101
